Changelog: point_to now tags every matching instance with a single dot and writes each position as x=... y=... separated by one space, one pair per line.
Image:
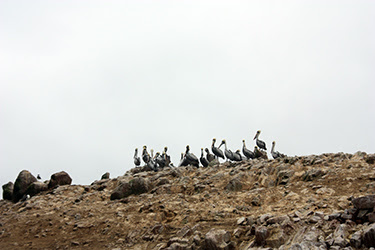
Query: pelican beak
x=221 y=144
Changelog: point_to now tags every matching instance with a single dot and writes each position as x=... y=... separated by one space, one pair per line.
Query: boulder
x=36 y=188
x=23 y=181
x=59 y=179
x=364 y=202
x=355 y=240
x=218 y=239
x=313 y=174
x=8 y=191
x=135 y=186
x=105 y=176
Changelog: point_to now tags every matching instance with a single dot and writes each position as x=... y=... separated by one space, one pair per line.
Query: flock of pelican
x=161 y=160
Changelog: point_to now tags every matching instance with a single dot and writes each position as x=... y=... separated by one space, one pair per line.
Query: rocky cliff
x=308 y=202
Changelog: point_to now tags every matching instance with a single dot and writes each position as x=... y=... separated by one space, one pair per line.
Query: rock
x=364 y=202
x=105 y=176
x=369 y=236
x=8 y=191
x=278 y=219
x=241 y=221
x=261 y=234
x=217 y=239
x=283 y=177
x=59 y=179
x=36 y=188
x=339 y=238
x=234 y=185
x=370 y=159
x=135 y=186
x=24 y=179
x=313 y=174
x=277 y=238
x=356 y=239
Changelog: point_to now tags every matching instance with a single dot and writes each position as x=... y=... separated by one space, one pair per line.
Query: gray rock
x=283 y=177
x=218 y=239
x=339 y=238
x=364 y=202
x=24 y=179
x=8 y=191
x=369 y=236
x=105 y=176
x=59 y=179
x=278 y=219
x=36 y=188
x=135 y=186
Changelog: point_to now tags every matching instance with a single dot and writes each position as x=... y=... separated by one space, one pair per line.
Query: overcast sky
x=83 y=83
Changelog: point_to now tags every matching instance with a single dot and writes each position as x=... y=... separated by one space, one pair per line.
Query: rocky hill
x=307 y=202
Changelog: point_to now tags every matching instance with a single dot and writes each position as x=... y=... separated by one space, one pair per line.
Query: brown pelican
x=247 y=152
x=203 y=160
x=145 y=156
x=159 y=160
x=276 y=154
x=237 y=155
x=257 y=152
x=192 y=159
x=137 y=160
x=183 y=161
x=166 y=156
x=228 y=153
x=260 y=144
x=210 y=157
x=216 y=150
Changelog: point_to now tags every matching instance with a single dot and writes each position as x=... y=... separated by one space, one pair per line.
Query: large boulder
x=23 y=181
x=8 y=191
x=369 y=236
x=135 y=186
x=36 y=188
x=59 y=179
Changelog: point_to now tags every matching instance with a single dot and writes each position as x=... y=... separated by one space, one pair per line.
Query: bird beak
x=221 y=144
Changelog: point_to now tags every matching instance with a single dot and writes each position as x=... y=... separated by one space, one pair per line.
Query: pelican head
x=273 y=143
x=256 y=135
x=165 y=149
x=144 y=147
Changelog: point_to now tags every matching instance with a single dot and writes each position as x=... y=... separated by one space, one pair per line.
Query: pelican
x=257 y=152
x=151 y=163
x=228 y=153
x=137 y=160
x=247 y=152
x=216 y=150
x=276 y=154
x=203 y=160
x=145 y=156
x=260 y=144
x=183 y=161
x=237 y=155
x=210 y=157
x=166 y=156
x=159 y=160
x=192 y=159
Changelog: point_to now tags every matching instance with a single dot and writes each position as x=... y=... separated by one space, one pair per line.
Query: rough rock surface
x=24 y=179
x=59 y=179
x=306 y=202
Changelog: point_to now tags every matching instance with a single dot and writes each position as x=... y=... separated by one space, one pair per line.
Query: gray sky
x=83 y=83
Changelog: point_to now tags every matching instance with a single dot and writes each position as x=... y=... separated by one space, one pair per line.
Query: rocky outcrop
x=306 y=202
x=59 y=179
x=24 y=179
x=105 y=176
x=8 y=191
